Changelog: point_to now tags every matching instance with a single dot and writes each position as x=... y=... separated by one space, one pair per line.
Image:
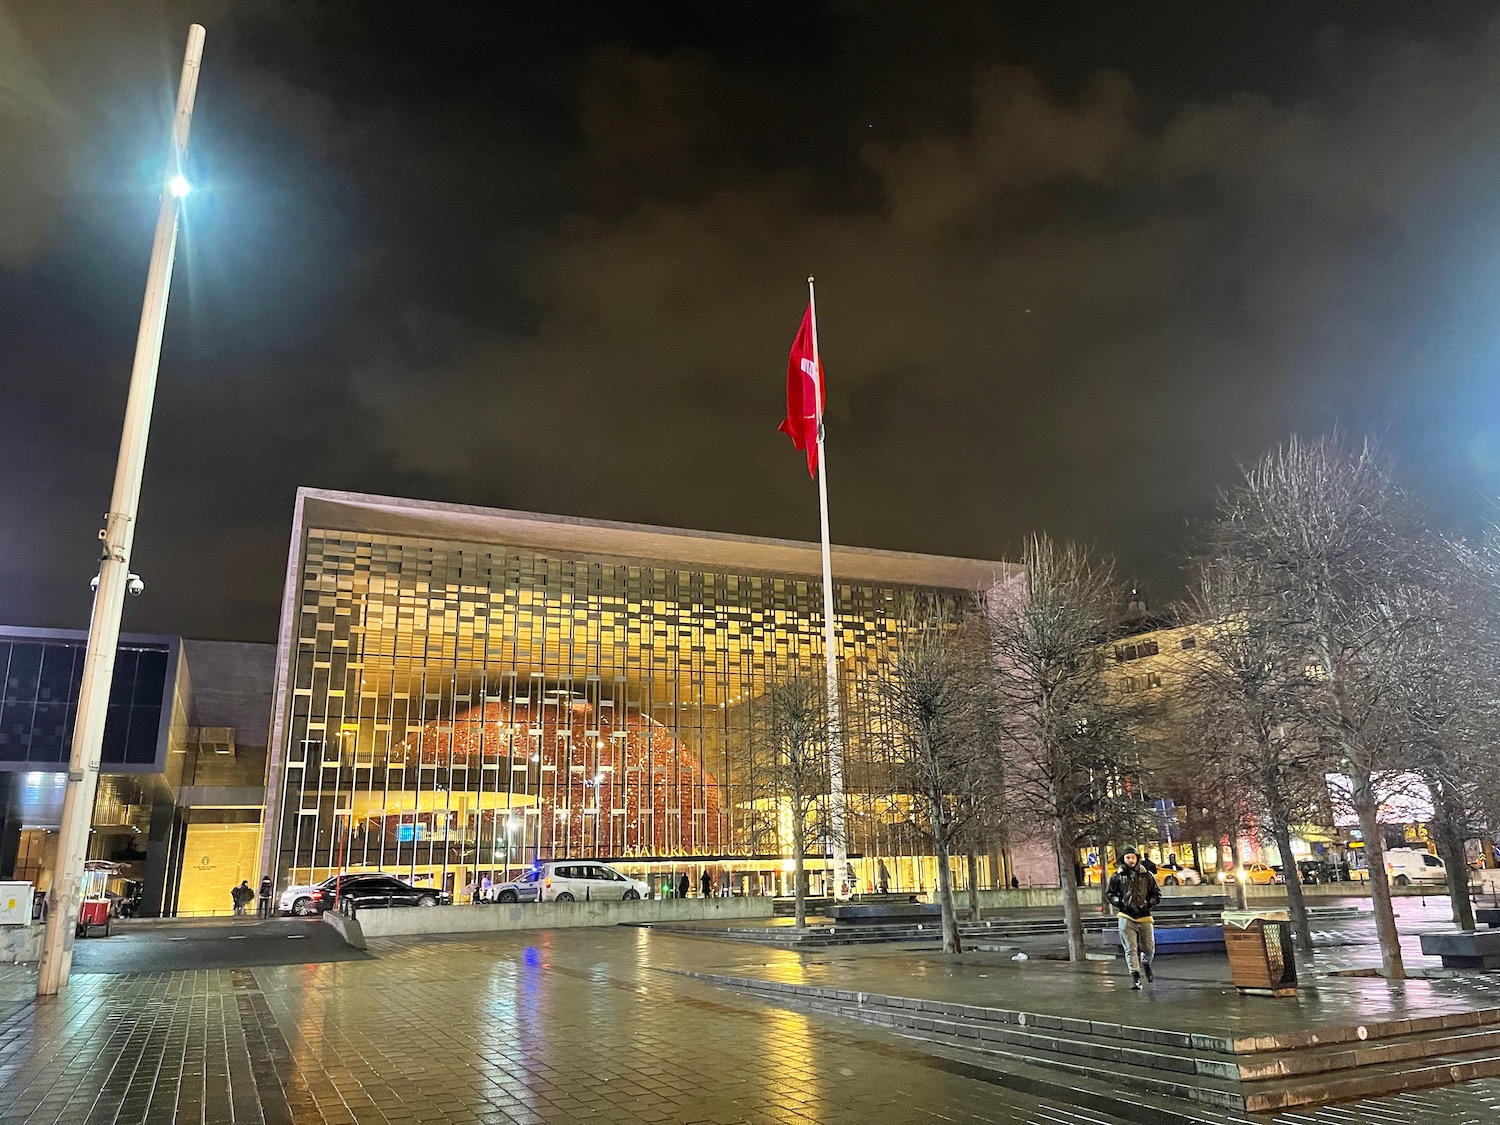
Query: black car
x=367 y=892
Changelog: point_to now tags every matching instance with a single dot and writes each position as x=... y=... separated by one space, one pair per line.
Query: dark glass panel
x=25 y=668
x=49 y=733
x=116 y=727
x=150 y=676
x=15 y=729
x=122 y=687
x=57 y=673
x=145 y=729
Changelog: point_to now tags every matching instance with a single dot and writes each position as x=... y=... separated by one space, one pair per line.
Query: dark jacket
x=1133 y=893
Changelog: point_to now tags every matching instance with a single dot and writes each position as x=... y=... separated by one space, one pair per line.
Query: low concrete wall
x=21 y=944
x=555 y=915
x=347 y=928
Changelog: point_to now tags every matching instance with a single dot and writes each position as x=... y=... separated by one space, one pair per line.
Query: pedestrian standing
x=265 y=896
x=1133 y=892
x=242 y=896
x=882 y=878
x=684 y=885
x=706 y=884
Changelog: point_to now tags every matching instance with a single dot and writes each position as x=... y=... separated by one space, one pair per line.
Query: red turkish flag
x=804 y=382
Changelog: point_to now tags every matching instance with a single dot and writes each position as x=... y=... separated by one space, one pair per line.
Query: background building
x=181 y=771
x=460 y=691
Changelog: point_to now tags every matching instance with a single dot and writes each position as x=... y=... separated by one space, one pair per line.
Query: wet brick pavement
x=569 y=1026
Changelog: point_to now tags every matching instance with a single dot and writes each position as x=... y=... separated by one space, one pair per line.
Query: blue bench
x=1181 y=939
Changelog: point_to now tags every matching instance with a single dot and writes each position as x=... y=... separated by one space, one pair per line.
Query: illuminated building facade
x=462 y=691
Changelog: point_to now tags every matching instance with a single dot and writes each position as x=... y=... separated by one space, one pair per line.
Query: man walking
x=1133 y=892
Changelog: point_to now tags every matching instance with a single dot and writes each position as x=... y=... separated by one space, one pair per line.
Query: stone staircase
x=977 y=934
x=1170 y=1073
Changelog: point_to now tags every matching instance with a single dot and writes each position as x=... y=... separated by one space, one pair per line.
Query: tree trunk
x=1363 y=799
x=1104 y=874
x=973 y=883
x=1296 y=904
x=1236 y=884
x=1062 y=843
x=1380 y=885
x=951 y=943
x=799 y=863
x=1448 y=826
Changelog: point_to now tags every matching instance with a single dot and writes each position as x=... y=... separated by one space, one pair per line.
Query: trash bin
x=1259 y=944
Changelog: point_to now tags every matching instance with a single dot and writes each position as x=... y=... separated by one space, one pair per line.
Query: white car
x=299 y=900
x=1413 y=865
x=573 y=881
x=1175 y=874
x=526 y=887
x=1405 y=866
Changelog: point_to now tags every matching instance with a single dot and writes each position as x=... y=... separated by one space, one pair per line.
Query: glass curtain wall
x=459 y=711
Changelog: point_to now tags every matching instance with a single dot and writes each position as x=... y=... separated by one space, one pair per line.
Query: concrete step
x=1244 y=1074
x=1368 y=1081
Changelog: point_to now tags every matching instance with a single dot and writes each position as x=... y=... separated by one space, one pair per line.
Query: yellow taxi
x=1259 y=874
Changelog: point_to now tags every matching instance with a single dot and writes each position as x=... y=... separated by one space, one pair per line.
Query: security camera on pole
x=118 y=534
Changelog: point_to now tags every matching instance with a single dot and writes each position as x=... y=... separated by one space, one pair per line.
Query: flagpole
x=841 y=888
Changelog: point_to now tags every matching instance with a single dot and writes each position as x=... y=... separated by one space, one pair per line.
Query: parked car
x=526 y=887
x=366 y=892
x=1315 y=871
x=1413 y=865
x=302 y=900
x=563 y=881
x=1405 y=866
x=1259 y=874
x=1171 y=874
x=299 y=900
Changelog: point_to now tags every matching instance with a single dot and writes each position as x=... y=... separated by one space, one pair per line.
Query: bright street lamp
x=114 y=579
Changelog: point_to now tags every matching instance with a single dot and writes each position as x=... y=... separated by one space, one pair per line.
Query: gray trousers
x=1139 y=940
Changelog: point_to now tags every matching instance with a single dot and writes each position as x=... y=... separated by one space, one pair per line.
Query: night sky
x=1076 y=262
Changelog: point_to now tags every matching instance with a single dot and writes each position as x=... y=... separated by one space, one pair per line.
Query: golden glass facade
x=454 y=711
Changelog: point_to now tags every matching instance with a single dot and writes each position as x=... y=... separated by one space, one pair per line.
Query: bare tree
x=1443 y=677
x=793 y=775
x=935 y=696
x=1334 y=542
x=1245 y=689
x=1059 y=720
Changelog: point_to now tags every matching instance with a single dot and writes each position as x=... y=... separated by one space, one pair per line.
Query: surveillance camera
x=133 y=585
x=94 y=584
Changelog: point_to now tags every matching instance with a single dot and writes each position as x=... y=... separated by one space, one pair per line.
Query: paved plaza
x=273 y=1022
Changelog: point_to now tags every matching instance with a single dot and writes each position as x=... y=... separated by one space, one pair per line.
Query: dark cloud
x=1067 y=277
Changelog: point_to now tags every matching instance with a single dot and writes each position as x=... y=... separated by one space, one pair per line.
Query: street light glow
x=179 y=185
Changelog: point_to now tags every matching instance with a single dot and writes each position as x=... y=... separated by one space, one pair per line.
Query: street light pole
x=117 y=535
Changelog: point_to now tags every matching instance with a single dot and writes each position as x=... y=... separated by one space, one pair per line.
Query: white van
x=572 y=881
x=1413 y=865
